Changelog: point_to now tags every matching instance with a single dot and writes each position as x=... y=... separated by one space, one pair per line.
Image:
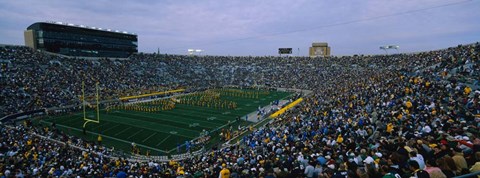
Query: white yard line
x=113 y=138
x=164 y=139
x=98 y=126
x=188 y=130
x=123 y=131
x=134 y=134
x=149 y=137
x=111 y=128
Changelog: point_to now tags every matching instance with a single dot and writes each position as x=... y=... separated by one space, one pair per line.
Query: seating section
x=375 y=115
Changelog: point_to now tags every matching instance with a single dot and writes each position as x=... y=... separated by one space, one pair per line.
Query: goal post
x=85 y=119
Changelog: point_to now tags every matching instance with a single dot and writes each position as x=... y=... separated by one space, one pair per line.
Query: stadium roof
x=86 y=27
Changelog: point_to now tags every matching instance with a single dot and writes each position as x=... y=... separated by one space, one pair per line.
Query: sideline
x=109 y=137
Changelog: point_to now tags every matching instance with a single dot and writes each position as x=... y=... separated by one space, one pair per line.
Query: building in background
x=80 y=40
x=319 y=50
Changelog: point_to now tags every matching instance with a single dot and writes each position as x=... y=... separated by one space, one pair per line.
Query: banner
x=284 y=109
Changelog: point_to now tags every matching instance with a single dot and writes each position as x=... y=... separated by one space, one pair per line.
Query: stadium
x=82 y=101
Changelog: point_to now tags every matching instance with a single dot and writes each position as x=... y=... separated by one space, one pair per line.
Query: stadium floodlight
x=190 y=51
x=384 y=48
x=387 y=47
x=195 y=51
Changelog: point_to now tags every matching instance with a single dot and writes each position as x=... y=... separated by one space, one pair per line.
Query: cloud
x=249 y=27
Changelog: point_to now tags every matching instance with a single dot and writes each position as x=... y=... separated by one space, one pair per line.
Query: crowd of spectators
x=403 y=115
x=34 y=80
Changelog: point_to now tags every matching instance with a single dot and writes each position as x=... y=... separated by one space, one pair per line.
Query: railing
x=22 y=115
x=178 y=157
x=137 y=158
x=469 y=175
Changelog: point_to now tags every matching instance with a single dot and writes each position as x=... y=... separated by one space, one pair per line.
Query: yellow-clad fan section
x=284 y=109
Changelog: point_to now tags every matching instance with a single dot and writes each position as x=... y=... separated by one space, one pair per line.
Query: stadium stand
x=397 y=115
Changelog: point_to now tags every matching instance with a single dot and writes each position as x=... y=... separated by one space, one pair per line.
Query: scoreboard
x=284 y=50
x=319 y=50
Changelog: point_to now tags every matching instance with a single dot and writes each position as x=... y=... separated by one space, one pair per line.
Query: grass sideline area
x=161 y=132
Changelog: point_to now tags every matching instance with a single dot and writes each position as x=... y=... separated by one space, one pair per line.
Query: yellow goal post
x=85 y=119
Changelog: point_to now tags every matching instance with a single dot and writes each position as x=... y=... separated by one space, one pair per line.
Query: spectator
x=416 y=171
x=460 y=161
x=434 y=171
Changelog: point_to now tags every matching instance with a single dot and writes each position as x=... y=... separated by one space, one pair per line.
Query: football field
x=162 y=131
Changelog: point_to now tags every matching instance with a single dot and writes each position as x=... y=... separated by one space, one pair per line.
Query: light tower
x=387 y=47
x=195 y=51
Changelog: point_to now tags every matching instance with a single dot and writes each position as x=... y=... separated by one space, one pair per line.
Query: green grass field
x=161 y=132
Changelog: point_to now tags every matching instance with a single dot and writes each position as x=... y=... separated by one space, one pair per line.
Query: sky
x=260 y=27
